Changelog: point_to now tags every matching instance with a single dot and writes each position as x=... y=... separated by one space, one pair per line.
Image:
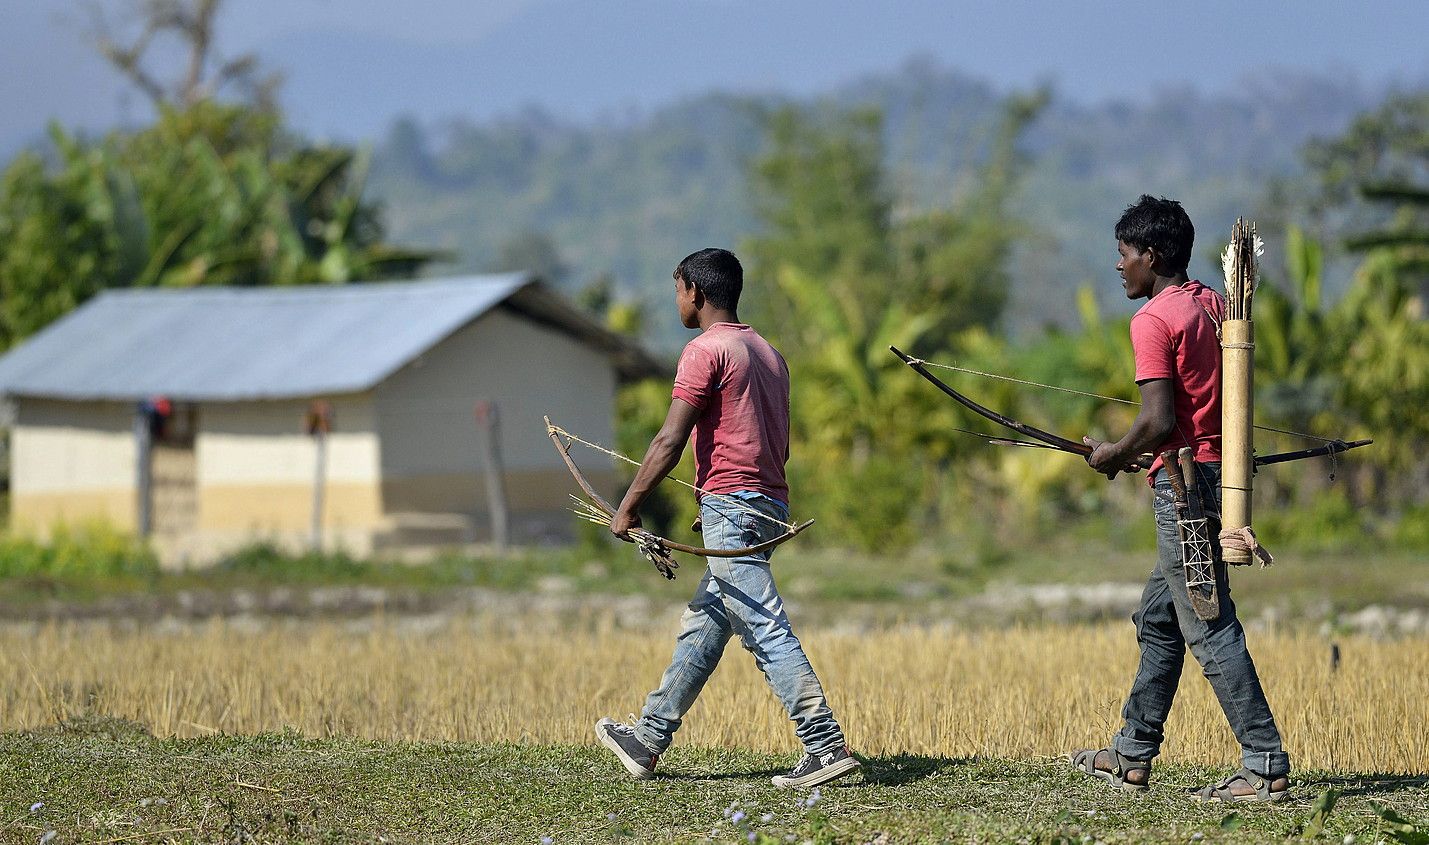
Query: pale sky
x=352 y=65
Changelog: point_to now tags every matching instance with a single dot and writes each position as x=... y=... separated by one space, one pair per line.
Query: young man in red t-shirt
x=732 y=393
x=1175 y=340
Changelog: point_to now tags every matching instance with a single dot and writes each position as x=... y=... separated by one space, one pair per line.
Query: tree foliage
x=837 y=276
x=211 y=194
x=841 y=274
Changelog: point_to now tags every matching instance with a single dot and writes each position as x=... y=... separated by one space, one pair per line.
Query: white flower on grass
x=48 y=837
x=546 y=840
x=767 y=818
x=37 y=806
x=1197 y=836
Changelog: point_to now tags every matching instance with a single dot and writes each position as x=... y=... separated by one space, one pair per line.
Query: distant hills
x=630 y=197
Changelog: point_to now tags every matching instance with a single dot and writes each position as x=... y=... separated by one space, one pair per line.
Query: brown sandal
x=1086 y=761
x=1222 y=793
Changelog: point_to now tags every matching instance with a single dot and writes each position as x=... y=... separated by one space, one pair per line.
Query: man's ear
x=1153 y=258
x=699 y=297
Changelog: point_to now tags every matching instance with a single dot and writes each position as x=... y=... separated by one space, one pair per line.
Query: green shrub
x=1327 y=522
x=1411 y=532
x=93 y=549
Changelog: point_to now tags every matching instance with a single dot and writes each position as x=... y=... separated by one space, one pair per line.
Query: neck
x=710 y=317
x=1164 y=282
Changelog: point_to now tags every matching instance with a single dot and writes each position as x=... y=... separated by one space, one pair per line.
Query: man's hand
x=1103 y=457
x=622 y=523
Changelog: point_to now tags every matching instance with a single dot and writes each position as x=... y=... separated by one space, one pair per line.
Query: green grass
x=108 y=781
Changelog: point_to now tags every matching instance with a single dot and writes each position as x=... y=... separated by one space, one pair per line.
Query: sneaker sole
x=824 y=775
x=639 y=771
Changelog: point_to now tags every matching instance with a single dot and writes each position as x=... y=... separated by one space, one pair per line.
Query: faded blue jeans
x=737 y=596
x=1166 y=626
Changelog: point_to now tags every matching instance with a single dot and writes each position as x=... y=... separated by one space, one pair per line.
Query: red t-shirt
x=1174 y=336
x=740 y=385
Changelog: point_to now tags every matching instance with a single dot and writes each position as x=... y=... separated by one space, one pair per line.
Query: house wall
x=425 y=415
x=72 y=462
x=256 y=467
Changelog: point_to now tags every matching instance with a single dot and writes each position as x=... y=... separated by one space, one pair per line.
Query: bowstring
x=730 y=500
x=1099 y=396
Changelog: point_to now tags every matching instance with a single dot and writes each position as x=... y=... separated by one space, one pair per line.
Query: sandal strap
x=1125 y=764
x=1222 y=791
x=1086 y=760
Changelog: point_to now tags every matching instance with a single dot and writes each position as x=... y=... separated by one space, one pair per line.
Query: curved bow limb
x=1053 y=440
x=648 y=540
x=1334 y=447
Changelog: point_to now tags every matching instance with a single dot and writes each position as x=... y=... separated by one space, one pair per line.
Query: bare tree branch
x=192 y=23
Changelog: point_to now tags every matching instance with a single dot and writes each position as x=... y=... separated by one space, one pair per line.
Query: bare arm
x=1154 y=423
x=662 y=456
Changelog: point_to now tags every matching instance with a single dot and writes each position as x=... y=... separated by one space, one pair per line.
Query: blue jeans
x=738 y=596
x=1166 y=626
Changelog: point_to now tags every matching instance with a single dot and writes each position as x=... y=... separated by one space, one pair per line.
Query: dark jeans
x=1166 y=625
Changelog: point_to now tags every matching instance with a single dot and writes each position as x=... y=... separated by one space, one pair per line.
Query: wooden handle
x=1186 y=458
x=1178 y=482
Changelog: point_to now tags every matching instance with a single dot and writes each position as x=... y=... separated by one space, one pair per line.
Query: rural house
x=362 y=417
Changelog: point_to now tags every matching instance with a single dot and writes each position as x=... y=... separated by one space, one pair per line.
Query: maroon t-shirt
x=740 y=385
x=1174 y=336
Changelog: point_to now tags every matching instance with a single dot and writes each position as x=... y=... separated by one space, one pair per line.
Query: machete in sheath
x=1194 y=533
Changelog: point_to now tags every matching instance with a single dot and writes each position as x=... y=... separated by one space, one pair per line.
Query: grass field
x=266 y=702
x=106 y=782
x=938 y=691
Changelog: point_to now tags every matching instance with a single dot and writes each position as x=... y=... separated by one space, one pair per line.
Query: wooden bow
x=1063 y=444
x=654 y=547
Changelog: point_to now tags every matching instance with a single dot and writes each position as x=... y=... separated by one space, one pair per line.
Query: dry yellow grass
x=918 y=690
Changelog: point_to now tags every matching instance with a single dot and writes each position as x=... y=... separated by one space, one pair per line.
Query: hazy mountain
x=630 y=197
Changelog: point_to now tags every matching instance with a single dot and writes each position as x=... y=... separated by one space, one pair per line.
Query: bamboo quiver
x=1241 y=266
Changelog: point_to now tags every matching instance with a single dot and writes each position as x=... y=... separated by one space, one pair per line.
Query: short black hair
x=717 y=274
x=1159 y=224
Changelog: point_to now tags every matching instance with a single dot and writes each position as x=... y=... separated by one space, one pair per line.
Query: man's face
x=1137 y=277
x=685 y=302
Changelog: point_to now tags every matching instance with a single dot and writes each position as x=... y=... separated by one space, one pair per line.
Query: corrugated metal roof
x=224 y=344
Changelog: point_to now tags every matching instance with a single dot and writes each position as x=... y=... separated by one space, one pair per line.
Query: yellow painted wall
x=256 y=465
x=72 y=462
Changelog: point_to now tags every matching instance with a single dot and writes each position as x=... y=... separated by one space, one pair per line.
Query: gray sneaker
x=815 y=769
x=620 y=738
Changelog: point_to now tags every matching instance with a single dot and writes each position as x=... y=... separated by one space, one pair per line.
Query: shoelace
x=626 y=727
